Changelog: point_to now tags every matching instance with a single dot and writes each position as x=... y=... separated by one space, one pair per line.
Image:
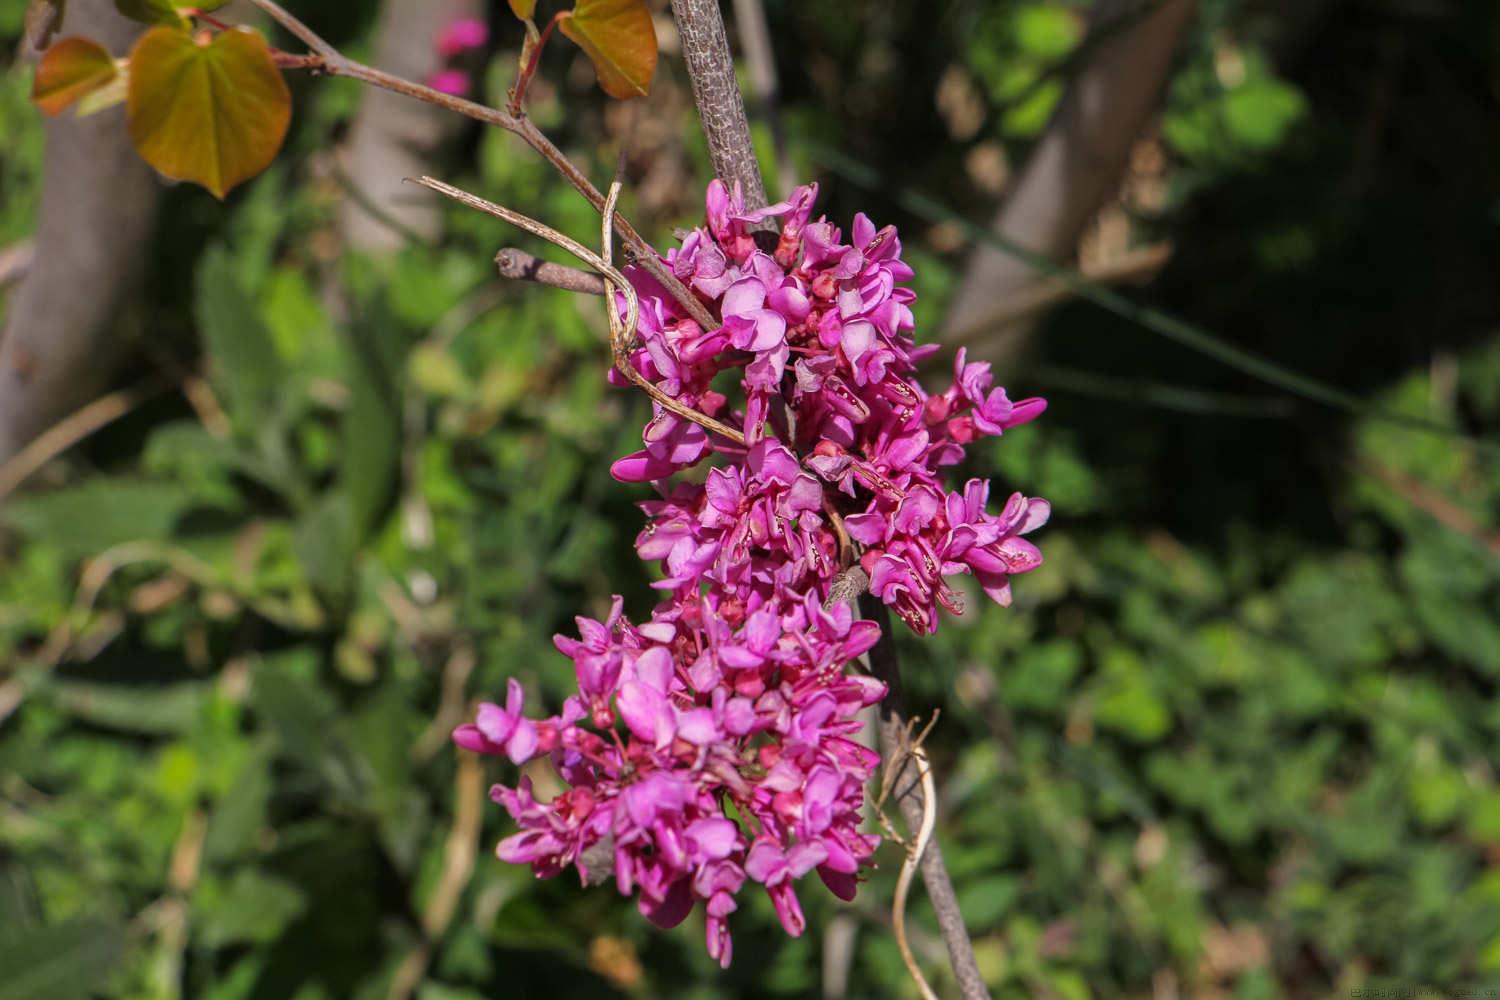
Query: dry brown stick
x=621 y=334
x=72 y=429
x=458 y=864
x=522 y=266
x=1433 y=503
x=326 y=59
x=910 y=799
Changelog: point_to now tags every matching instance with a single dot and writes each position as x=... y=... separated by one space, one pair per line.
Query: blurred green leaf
x=252 y=907
x=98 y=514
x=61 y=961
x=241 y=352
x=155 y=709
x=154 y=12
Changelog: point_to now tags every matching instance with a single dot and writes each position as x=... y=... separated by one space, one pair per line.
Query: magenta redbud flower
x=715 y=743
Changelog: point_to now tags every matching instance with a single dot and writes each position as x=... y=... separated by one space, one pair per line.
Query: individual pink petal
x=842 y=884
x=671 y=910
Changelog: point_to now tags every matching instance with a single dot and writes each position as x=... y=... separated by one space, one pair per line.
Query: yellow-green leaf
x=70 y=70
x=152 y=12
x=523 y=8
x=109 y=95
x=619 y=37
x=213 y=112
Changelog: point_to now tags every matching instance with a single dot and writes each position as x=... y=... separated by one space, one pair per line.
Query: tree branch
x=62 y=331
x=717 y=94
x=1077 y=164
x=912 y=803
x=521 y=266
x=326 y=59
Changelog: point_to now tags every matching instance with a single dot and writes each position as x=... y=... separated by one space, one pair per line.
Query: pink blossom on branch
x=462 y=35
x=451 y=81
x=713 y=744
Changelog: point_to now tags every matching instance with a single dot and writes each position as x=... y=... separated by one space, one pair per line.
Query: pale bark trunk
x=1076 y=166
x=394 y=137
x=62 y=333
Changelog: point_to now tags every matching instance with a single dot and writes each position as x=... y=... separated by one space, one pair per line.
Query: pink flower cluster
x=458 y=37
x=714 y=744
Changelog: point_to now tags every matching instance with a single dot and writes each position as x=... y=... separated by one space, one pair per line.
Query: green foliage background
x=1237 y=737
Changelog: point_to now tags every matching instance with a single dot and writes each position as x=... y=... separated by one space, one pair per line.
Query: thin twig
x=458 y=864
x=914 y=852
x=1424 y=497
x=73 y=429
x=1140 y=264
x=620 y=334
x=521 y=266
x=327 y=59
x=895 y=741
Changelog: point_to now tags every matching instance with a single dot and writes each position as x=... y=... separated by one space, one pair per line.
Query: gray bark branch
x=909 y=798
x=716 y=91
x=62 y=336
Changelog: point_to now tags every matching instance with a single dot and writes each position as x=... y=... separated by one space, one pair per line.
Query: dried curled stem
x=620 y=333
x=911 y=751
x=914 y=854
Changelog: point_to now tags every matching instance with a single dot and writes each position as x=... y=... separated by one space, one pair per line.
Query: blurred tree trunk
x=99 y=199
x=393 y=136
x=1078 y=163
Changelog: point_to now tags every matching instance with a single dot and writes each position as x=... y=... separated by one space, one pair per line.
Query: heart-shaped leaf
x=213 y=112
x=152 y=12
x=523 y=8
x=619 y=37
x=70 y=70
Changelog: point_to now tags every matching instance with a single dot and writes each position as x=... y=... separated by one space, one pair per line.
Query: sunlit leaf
x=212 y=112
x=523 y=8
x=108 y=95
x=620 y=39
x=152 y=12
x=70 y=70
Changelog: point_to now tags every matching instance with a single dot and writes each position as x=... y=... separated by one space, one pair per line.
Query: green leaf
x=523 y=9
x=69 y=71
x=236 y=821
x=162 y=12
x=984 y=901
x=95 y=515
x=241 y=353
x=153 y=709
x=1047 y=33
x=325 y=545
x=253 y=908
x=620 y=39
x=215 y=112
x=1127 y=701
x=58 y=962
x=371 y=432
